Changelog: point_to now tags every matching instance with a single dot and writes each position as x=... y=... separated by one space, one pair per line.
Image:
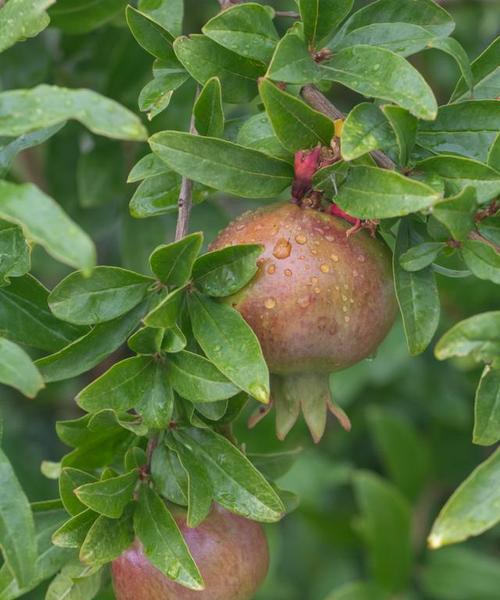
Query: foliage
x=164 y=371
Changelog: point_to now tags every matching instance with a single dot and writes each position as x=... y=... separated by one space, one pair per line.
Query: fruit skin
x=322 y=300
x=230 y=551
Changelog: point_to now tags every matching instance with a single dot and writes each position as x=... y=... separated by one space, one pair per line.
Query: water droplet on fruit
x=355 y=273
x=300 y=238
x=325 y=268
x=347 y=319
x=361 y=258
x=317 y=290
x=314 y=280
x=288 y=273
x=303 y=302
x=282 y=249
x=344 y=297
x=270 y=303
x=240 y=226
x=329 y=238
x=334 y=257
x=302 y=257
x=271 y=269
x=345 y=309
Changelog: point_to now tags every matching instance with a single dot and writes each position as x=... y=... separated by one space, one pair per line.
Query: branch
x=287 y=13
x=317 y=100
x=185 y=201
x=476 y=236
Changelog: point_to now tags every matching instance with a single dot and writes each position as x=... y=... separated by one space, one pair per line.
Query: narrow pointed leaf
x=45 y=223
x=73 y=532
x=482 y=259
x=167 y=13
x=457 y=213
x=109 y=497
x=404 y=126
x=167 y=313
x=297 y=125
x=47 y=105
x=321 y=17
x=247 y=30
x=365 y=129
x=17 y=369
x=230 y=344
x=172 y=264
x=485 y=75
x=208 y=111
x=292 y=62
x=222 y=165
x=107 y=539
x=152 y=37
x=473 y=508
x=417 y=296
x=487 y=408
x=421 y=256
x=107 y=293
x=82 y=16
x=162 y=541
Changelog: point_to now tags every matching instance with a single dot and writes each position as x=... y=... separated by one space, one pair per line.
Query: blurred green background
x=412 y=417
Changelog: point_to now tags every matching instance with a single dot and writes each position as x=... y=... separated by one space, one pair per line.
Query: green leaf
x=10 y=150
x=373 y=193
x=18 y=370
x=25 y=317
x=99 y=175
x=402 y=38
x=148 y=166
x=277 y=464
x=297 y=125
x=109 y=497
x=457 y=213
x=365 y=129
x=107 y=539
x=386 y=528
x=150 y=35
x=494 y=154
x=223 y=272
x=91 y=349
x=247 y=30
x=421 y=256
x=135 y=458
x=74 y=582
x=417 y=297
x=146 y=341
x=223 y=165
x=468 y=129
x=47 y=105
x=105 y=294
x=321 y=17
x=157 y=405
x=82 y=16
x=50 y=558
x=380 y=73
x=197 y=379
x=292 y=61
x=460 y=573
x=169 y=476
x=402 y=451
x=167 y=313
x=478 y=336
x=473 y=507
x=487 y=408
x=162 y=541
x=257 y=132
x=482 y=259
x=404 y=126
x=167 y=13
x=173 y=263
x=200 y=490
x=15 y=255
x=230 y=344
x=485 y=75
x=208 y=111
x=156 y=195
x=17 y=529
x=69 y=480
x=236 y=483
x=456 y=51
x=21 y=19
x=459 y=172
x=44 y=222
x=132 y=383
x=173 y=340
x=425 y=13
x=155 y=96
x=205 y=59
x=72 y=534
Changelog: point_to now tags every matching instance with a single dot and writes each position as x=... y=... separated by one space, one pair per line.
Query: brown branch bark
x=476 y=236
x=317 y=100
x=287 y=13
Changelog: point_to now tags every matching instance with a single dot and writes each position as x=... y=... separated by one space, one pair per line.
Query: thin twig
x=317 y=100
x=478 y=237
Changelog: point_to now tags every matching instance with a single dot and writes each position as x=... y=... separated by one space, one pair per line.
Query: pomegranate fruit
x=230 y=551
x=320 y=302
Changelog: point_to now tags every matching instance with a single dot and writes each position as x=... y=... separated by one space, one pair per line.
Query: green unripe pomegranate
x=321 y=301
x=230 y=551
